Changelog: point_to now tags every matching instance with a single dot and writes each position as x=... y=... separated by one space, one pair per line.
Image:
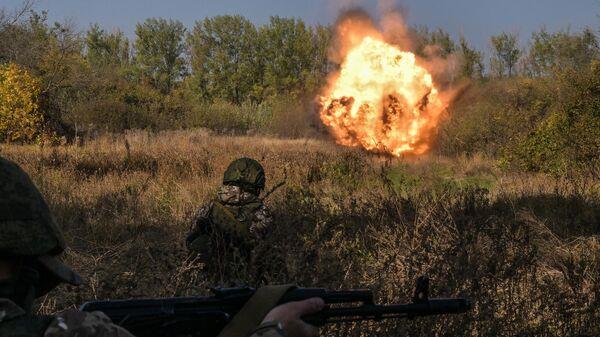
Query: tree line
x=101 y=77
x=228 y=74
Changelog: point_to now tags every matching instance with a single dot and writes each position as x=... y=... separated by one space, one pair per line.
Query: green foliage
x=235 y=61
x=293 y=56
x=225 y=60
x=569 y=137
x=437 y=43
x=554 y=52
x=106 y=48
x=506 y=54
x=232 y=76
x=225 y=117
x=549 y=125
x=471 y=61
x=159 y=47
x=288 y=117
x=489 y=116
x=119 y=106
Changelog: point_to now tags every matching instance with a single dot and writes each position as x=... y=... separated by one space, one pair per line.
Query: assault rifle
x=207 y=316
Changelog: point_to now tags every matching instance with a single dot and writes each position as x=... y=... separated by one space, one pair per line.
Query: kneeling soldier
x=237 y=218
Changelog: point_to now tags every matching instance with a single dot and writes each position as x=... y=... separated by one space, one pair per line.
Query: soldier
x=30 y=245
x=237 y=218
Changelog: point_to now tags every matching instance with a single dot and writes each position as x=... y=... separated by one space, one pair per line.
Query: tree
x=51 y=53
x=322 y=40
x=288 y=50
x=433 y=43
x=224 y=59
x=506 y=54
x=106 y=48
x=24 y=39
x=443 y=41
x=159 y=47
x=20 y=117
x=471 y=60
x=552 y=52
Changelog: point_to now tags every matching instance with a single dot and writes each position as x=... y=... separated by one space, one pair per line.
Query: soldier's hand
x=289 y=316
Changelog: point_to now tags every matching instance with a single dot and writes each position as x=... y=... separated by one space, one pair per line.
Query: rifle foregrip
x=379 y=312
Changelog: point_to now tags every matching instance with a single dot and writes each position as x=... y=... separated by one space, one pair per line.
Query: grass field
x=523 y=247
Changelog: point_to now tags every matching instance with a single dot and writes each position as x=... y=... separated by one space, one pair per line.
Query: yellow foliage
x=20 y=118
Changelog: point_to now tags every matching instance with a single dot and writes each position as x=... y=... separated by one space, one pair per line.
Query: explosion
x=381 y=99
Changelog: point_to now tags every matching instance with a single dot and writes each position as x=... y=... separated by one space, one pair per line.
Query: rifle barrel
x=378 y=312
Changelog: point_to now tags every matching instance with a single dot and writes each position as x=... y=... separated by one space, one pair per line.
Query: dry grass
x=525 y=248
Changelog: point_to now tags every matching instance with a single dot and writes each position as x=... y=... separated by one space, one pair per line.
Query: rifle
x=207 y=316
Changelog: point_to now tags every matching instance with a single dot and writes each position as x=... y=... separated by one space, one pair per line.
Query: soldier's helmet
x=246 y=173
x=28 y=230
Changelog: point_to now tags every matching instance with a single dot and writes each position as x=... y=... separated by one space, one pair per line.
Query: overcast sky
x=475 y=19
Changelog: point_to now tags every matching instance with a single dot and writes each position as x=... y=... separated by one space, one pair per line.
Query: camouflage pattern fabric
x=247 y=208
x=246 y=173
x=14 y=321
x=75 y=323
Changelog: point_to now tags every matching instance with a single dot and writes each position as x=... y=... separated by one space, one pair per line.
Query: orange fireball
x=381 y=100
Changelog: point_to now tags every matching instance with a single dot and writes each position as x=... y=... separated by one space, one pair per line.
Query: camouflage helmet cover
x=246 y=173
x=27 y=226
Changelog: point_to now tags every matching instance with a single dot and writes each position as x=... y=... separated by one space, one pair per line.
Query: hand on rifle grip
x=289 y=316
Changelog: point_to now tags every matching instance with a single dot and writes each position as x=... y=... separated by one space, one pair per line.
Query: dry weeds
x=525 y=248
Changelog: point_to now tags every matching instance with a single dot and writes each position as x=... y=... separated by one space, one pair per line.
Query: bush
x=20 y=118
x=569 y=138
x=226 y=117
x=120 y=106
x=290 y=116
x=490 y=115
x=541 y=124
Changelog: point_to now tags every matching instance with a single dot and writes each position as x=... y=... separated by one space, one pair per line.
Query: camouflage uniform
x=31 y=242
x=237 y=218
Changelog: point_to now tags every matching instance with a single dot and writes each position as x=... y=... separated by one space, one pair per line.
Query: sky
x=477 y=20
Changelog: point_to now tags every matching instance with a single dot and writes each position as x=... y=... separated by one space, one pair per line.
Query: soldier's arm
x=200 y=224
x=75 y=323
x=261 y=222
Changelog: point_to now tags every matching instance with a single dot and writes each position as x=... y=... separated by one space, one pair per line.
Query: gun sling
x=254 y=311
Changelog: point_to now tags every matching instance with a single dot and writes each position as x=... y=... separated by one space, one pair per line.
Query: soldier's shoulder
x=75 y=323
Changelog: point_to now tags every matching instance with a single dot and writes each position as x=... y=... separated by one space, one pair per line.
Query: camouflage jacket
x=14 y=321
x=247 y=209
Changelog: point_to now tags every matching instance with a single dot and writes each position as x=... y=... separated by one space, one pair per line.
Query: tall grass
x=523 y=247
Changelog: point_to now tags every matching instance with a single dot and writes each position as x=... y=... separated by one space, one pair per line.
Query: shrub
x=20 y=117
x=569 y=138
x=226 y=117
x=489 y=116
x=290 y=116
x=120 y=106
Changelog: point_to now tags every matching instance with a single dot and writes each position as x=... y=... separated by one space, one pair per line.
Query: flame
x=381 y=99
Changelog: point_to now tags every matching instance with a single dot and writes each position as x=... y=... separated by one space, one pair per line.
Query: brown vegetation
x=524 y=247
